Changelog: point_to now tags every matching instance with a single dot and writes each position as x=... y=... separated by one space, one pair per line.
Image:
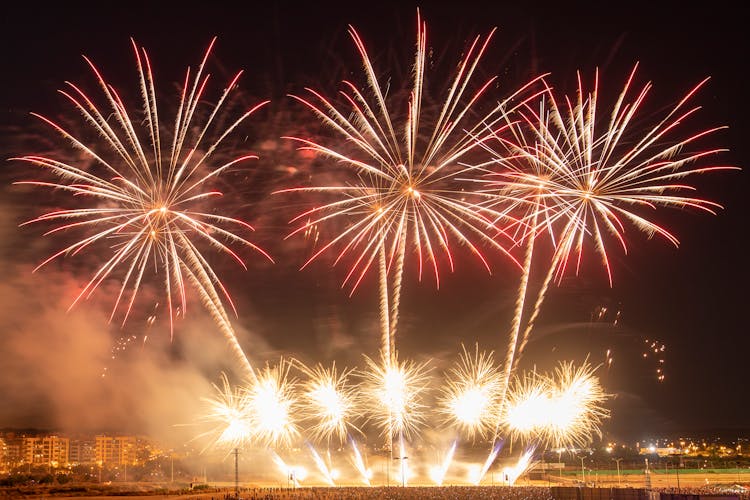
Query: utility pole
x=236 y=474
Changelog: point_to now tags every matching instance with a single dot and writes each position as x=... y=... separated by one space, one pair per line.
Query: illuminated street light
x=618 y=470
x=403 y=469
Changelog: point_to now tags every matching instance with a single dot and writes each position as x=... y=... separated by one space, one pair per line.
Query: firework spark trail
x=295 y=474
x=512 y=473
x=438 y=472
x=147 y=200
x=576 y=179
x=653 y=347
x=359 y=464
x=329 y=401
x=321 y=465
x=213 y=304
x=497 y=446
x=402 y=193
x=470 y=393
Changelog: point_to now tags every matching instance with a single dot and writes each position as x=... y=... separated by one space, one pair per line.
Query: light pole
x=236 y=474
x=292 y=479
x=403 y=471
x=390 y=459
x=618 y=471
x=738 y=472
x=389 y=443
x=583 y=472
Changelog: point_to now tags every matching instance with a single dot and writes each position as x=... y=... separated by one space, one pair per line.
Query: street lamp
x=618 y=471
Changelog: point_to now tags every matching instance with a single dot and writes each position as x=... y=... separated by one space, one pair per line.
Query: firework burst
x=470 y=397
x=563 y=409
x=527 y=405
x=393 y=395
x=272 y=401
x=579 y=407
x=402 y=190
x=262 y=412
x=329 y=401
x=147 y=192
x=577 y=178
x=230 y=414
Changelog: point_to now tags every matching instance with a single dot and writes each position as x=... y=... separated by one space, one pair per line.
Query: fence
x=573 y=493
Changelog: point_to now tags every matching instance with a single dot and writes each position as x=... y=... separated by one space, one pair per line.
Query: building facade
x=116 y=450
x=50 y=450
x=82 y=451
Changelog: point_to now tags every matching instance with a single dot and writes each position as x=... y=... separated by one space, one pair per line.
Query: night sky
x=692 y=299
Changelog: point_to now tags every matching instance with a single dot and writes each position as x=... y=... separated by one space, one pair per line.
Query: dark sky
x=692 y=299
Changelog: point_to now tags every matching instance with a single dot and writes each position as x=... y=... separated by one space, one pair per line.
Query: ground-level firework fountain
x=562 y=408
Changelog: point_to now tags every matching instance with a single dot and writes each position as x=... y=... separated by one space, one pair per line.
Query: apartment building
x=115 y=450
